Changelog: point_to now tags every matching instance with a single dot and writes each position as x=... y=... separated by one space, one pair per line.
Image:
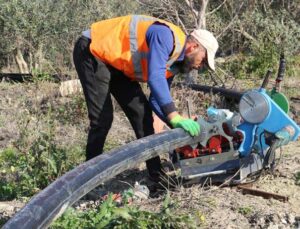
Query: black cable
x=261 y=145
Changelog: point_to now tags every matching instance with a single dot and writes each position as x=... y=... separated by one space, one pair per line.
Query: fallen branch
x=245 y=189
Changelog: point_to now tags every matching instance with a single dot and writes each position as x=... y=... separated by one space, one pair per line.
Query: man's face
x=194 y=59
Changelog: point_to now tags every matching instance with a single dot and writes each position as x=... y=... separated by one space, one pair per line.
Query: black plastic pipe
x=229 y=93
x=28 y=77
x=51 y=202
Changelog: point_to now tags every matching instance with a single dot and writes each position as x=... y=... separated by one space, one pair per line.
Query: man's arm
x=160 y=42
x=154 y=105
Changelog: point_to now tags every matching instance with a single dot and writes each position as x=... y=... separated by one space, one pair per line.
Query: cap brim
x=211 y=61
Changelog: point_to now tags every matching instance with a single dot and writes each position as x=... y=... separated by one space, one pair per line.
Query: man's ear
x=191 y=47
x=194 y=46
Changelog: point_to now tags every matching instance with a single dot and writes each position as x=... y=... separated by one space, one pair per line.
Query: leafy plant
x=108 y=215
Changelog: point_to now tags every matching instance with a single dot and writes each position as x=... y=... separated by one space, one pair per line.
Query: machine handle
x=266 y=79
x=281 y=69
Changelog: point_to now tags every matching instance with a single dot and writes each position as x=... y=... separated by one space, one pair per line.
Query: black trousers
x=98 y=81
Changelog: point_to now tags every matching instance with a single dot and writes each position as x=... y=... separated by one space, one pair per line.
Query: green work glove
x=189 y=125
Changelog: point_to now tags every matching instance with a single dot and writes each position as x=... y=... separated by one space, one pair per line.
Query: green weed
x=39 y=75
x=110 y=144
x=72 y=112
x=246 y=211
x=108 y=215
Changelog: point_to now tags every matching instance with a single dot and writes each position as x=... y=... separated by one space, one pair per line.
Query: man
x=116 y=54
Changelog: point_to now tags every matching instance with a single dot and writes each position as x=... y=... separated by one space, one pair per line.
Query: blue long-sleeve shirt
x=161 y=43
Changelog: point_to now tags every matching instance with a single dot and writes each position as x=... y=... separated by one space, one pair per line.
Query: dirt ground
x=223 y=207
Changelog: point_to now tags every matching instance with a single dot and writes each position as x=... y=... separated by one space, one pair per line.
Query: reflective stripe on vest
x=137 y=55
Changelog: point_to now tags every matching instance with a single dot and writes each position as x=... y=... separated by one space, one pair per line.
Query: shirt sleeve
x=154 y=105
x=160 y=42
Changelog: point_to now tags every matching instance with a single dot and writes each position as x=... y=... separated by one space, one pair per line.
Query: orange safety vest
x=121 y=43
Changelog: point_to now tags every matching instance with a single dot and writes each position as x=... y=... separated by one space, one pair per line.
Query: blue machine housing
x=260 y=113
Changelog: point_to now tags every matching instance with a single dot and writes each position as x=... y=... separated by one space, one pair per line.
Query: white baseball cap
x=209 y=42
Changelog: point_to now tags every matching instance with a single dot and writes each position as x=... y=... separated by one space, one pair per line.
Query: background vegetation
x=251 y=33
x=37 y=36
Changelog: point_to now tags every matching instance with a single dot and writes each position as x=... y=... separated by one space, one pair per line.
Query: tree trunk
x=22 y=65
x=201 y=15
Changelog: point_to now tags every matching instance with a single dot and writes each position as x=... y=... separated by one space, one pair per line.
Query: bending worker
x=116 y=54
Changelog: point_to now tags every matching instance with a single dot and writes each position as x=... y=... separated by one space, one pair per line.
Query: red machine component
x=215 y=144
x=188 y=152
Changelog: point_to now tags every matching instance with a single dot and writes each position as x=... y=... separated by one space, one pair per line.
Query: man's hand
x=189 y=125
